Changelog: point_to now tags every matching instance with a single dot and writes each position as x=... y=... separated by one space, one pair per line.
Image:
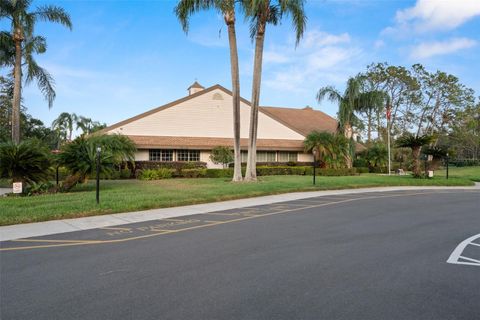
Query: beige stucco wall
x=305 y=157
x=203 y=116
x=205 y=157
x=141 y=155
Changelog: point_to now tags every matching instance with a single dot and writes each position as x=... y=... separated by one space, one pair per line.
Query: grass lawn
x=133 y=195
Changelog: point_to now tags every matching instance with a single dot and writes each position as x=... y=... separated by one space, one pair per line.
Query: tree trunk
x=416 y=161
x=251 y=173
x=17 y=89
x=232 y=39
x=369 y=127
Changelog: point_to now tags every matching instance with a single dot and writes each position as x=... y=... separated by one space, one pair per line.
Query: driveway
x=361 y=256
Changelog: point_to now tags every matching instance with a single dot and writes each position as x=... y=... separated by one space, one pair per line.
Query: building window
x=262 y=156
x=160 y=155
x=188 y=155
x=287 y=156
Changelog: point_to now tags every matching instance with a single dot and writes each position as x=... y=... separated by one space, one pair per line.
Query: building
x=189 y=128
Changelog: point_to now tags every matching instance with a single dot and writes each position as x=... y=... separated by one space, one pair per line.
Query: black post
x=98 y=175
x=447 y=165
x=56 y=175
x=314 y=164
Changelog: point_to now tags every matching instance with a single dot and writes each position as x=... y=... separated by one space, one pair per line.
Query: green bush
x=332 y=172
x=155 y=174
x=360 y=163
x=125 y=173
x=193 y=173
x=378 y=170
x=362 y=170
x=276 y=171
x=29 y=161
x=219 y=173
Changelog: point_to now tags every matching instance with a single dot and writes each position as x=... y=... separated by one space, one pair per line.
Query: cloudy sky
x=126 y=57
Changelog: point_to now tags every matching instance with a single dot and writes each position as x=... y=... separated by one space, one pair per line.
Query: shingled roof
x=304 y=121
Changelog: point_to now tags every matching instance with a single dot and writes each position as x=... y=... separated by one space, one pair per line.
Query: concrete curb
x=68 y=225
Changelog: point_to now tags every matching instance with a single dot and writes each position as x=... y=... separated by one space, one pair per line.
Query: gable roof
x=196 y=85
x=302 y=121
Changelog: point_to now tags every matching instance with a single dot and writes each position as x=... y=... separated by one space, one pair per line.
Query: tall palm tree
x=22 y=33
x=369 y=103
x=321 y=142
x=184 y=10
x=63 y=125
x=261 y=13
x=415 y=143
x=347 y=103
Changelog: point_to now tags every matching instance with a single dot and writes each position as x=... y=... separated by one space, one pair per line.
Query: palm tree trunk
x=17 y=89
x=416 y=161
x=232 y=39
x=251 y=173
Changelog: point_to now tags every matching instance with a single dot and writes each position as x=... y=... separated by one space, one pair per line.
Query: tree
x=64 y=124
x=261 y=13
x=79 y=156
x=332 y=149
x=26 y=44
x=28 y=161
x=184 y=10
x=415 y=143
x=87 y=125
x=377 y=155
x=222 y=155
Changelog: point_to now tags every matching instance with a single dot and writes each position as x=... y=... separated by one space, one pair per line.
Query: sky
x=126 y=57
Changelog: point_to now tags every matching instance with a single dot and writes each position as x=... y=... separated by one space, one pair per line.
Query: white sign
x=17 y=187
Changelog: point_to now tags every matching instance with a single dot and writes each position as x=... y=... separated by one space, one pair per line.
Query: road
x=360 y=256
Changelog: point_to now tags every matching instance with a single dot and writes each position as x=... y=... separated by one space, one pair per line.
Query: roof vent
x=194 y=88
x=217 y=96
x=307 y=108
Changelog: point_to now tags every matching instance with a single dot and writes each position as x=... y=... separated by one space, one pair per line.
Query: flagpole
x=389 y=157
x=388 y=137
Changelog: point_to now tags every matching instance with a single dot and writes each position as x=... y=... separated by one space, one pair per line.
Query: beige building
x=187 y=129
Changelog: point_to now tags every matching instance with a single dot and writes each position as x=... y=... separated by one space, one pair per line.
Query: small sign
x=17 y=187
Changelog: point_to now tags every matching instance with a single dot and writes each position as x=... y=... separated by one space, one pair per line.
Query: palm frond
x=330 y=93
x=44 y=80
x=53 y=14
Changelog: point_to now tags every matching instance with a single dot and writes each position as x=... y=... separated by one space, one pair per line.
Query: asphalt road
x=364 y=256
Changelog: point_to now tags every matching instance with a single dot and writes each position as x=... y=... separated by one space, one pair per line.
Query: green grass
x=133 y=195
x=472 y=173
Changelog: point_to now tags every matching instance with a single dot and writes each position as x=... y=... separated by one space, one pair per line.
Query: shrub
x=29 y=161
x=177 y=165
x=221 y=155
x=332 y=172
x=378 y=169
x=79 y=156
x=359 y=163
x=362 y=170
x=125 y=173
x=193 y=173
x=274 y=171
x=40 y=188
x=155 y=174
x=219 y=173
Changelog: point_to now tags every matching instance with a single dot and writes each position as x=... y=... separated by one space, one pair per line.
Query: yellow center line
x=164 y=232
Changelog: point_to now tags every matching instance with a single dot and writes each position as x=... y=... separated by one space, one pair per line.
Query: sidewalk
x=68 y=225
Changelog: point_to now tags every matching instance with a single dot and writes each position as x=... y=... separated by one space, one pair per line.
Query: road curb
x=86 y=223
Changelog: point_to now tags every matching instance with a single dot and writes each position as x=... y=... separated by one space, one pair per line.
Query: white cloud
x=320 y=58
x=431 y=15
x=430 y=49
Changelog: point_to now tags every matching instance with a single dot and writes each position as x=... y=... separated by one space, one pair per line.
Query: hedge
x=164 y=173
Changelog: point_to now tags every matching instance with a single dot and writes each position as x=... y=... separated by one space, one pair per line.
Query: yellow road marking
x=48 y=240
x=116 y=228
x=88 y=242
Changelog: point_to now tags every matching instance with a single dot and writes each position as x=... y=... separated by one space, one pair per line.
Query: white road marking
x=456 y=257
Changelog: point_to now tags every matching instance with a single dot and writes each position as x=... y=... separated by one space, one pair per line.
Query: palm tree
x=25 y=44
x=63 y=125
x=415 y=143
x=261 y=13
x=184 y=10
x=347 y=103
x=321 y=142
x=369 y=103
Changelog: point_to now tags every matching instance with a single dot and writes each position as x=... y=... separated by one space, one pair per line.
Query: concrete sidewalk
x=68 y=225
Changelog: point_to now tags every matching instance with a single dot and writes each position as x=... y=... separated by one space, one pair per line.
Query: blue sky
x=125 y=57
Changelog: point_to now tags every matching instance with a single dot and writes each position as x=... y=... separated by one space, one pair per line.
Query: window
x=266 y=156
x=160 y=155
x=262 y=156
x=287 y=156
x=188 y=155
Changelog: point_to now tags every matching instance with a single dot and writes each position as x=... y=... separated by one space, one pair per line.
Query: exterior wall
x=205 y=157
x=204 y=116
x=141 y=155
x=305 y=157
